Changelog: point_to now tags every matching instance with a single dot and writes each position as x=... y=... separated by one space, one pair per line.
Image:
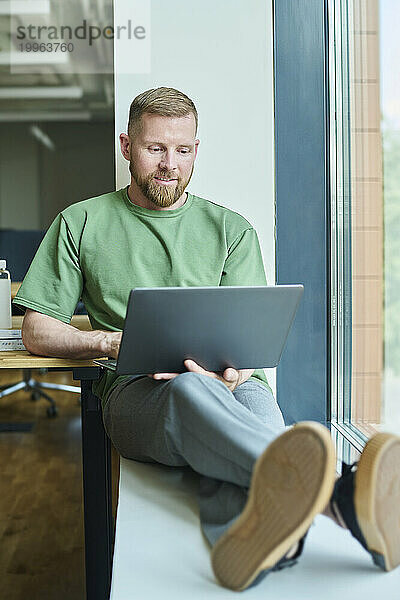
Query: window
x=364 y=52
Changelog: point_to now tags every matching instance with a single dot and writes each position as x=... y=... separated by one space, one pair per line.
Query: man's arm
x=46 y=336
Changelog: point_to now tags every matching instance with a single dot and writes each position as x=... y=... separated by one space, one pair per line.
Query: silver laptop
x=217 y=327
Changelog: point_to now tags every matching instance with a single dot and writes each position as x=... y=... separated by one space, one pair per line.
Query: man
x=260 y=485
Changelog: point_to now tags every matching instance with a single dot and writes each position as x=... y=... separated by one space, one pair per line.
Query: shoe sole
x=292 y=482
x=377 y=498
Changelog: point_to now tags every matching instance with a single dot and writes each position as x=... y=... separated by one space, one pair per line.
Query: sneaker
x=292 y=482
x=367 y=499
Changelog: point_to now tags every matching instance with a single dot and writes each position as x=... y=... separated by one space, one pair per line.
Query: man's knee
x=191 y=390
x=187 y=383
x=185 y=380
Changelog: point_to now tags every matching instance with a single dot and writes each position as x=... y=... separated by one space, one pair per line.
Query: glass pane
x=375 y=125
x=365 y=182
x=367 y=216
x=390 y=107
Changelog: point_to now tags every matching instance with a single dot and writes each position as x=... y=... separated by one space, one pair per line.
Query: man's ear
x=196 y=146
x=125 y=145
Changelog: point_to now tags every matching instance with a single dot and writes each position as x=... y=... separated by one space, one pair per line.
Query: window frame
x=314 y=375
x=303 y=217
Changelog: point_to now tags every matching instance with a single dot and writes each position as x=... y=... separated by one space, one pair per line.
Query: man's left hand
x=230 y=377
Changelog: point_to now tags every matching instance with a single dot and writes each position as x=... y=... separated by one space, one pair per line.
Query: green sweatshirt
x=99 y=249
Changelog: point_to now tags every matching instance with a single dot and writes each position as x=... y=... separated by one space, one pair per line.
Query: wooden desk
x=15 y=285
x=96 y=460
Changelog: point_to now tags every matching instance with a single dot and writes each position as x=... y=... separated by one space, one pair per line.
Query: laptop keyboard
x=109 y=362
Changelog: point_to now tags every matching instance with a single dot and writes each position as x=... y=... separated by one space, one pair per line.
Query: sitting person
x=261 y=485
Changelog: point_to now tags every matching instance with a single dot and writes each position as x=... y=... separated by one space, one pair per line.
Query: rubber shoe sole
x=377 y=498
x=292 y=482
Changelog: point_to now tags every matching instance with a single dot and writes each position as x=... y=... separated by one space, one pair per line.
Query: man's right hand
x=114 y=341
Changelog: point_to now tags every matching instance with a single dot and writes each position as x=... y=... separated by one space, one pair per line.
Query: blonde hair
x=163 y=101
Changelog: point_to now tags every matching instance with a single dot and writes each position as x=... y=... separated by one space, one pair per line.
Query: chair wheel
x=52 y=411
x=35 y=396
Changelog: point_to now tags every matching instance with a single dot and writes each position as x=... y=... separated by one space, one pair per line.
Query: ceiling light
x=42 y=137
x=58 y=92
x=9 y=116
x=24 y=7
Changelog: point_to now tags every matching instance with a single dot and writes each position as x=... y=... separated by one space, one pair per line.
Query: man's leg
x=221 y=502
x=189 y=420
x=147 y=420
x=195 y=420
x=366 y=500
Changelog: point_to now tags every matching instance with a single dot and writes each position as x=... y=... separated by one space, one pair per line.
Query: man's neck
x=136 y=197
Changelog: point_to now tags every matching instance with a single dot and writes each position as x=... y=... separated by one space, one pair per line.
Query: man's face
x=162 y=154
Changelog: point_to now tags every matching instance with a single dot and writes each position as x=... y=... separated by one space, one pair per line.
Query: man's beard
x=161 y=195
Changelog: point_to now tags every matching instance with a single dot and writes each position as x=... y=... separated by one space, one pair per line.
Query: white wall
x=219 y=53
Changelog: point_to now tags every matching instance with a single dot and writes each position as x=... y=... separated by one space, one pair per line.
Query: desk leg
x=96 y=459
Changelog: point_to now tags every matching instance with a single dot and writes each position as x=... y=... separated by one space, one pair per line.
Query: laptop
x=217 y=327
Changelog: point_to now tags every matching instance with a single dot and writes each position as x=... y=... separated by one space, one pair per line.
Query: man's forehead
x=152 y=124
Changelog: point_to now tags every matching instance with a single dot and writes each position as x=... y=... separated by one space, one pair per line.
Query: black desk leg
x=96 y=459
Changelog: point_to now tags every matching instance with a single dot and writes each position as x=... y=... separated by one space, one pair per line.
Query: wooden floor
x=41 y=516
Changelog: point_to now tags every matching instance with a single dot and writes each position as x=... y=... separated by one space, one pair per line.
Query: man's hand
x=113 y=343
x=230 y=377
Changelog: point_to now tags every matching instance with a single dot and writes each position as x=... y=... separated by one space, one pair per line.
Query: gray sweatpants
x=196 y=420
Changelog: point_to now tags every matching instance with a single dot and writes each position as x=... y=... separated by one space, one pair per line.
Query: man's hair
x=163 y=101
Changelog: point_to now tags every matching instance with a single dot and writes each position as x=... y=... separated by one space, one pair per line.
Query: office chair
x=19 y=248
